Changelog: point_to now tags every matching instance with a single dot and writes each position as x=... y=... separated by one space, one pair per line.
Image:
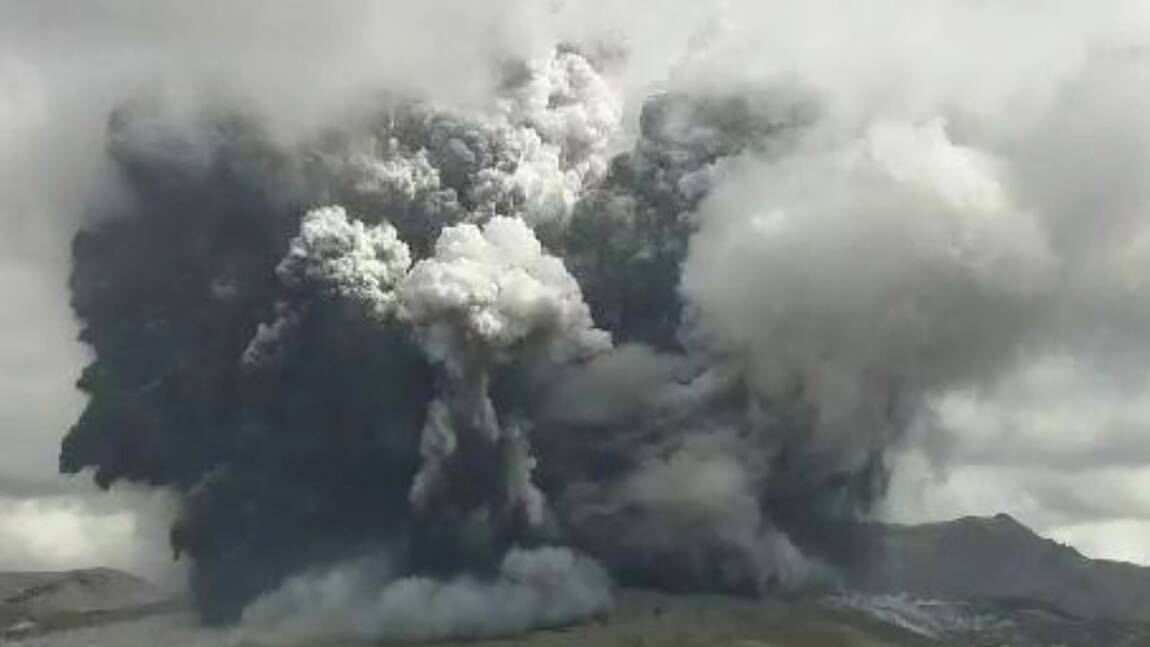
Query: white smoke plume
x=555 y=132
x=867 y=275
x=352 y=261
x=362 y=600
x=482 y=294
x=495 y=288
x=342 y=259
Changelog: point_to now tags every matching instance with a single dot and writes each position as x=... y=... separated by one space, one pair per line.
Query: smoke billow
x=452 y=367
x=363 y=600
x=355 y=374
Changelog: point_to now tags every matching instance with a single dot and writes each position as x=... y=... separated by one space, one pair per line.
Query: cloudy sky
x=1055 y=94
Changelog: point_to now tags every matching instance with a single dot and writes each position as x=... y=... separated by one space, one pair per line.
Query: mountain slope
x=989 y=558
x=34 y=602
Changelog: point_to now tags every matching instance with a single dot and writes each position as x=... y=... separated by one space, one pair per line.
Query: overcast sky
x=1057 y=93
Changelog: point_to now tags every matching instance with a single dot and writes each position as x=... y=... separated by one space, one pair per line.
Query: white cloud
x=125 y=529
x=1118 y=539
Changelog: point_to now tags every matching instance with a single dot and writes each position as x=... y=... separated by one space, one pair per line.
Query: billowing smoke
x=363 y=599
x=453 y=368
x=348 y=335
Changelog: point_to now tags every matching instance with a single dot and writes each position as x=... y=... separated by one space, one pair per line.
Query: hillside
x=38 y=602
x=990 y=558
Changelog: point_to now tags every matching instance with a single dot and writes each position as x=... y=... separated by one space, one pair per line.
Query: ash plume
x=452 y=368
x=392 y=371
x=356 y=351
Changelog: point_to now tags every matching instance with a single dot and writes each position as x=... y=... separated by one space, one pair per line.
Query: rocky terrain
x=975 y=582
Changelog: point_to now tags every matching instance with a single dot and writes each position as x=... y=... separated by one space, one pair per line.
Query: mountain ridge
x=981 y=558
